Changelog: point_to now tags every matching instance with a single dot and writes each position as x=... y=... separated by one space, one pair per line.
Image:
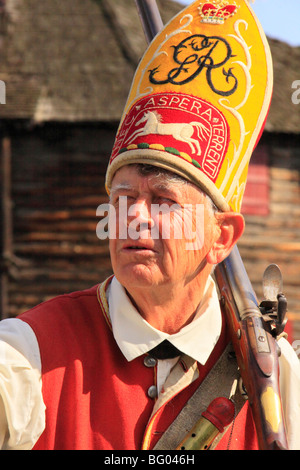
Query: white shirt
x=22 y=410
x=135 y=336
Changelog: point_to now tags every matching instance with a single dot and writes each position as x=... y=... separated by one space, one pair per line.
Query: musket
x=253 y=328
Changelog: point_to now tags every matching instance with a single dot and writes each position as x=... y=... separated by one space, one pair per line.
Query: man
x=162 y=275
x=112 y=367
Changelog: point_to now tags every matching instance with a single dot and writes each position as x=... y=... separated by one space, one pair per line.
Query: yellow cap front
x=199 y=99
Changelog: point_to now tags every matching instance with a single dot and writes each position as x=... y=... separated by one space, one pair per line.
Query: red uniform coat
x=95 y=399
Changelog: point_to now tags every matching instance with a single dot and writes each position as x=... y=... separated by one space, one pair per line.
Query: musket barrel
x=150 y=18
x=241 y=287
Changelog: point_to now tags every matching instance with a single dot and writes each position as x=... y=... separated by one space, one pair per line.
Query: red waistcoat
x=95 y=399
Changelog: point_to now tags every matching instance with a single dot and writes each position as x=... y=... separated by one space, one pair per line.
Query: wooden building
x=67 y=68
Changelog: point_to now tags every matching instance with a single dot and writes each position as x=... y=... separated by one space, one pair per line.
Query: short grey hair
x=145 y=169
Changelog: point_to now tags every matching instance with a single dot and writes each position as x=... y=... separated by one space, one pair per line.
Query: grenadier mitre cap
x=199 y=100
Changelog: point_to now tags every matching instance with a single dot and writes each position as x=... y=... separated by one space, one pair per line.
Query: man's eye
x=166 y=200
x=115 y=201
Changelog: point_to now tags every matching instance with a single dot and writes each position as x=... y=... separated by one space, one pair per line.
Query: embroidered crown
x=216 y=12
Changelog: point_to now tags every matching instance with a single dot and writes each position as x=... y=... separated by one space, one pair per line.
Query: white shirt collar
x=135 y=336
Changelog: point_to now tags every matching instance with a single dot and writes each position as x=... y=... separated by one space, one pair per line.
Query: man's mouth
x=136 y=248
x=139 y=246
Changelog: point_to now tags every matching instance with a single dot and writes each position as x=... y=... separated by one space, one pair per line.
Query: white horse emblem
x=180 y=131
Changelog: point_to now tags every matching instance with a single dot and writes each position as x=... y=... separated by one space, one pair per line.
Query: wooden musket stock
x=255 y=347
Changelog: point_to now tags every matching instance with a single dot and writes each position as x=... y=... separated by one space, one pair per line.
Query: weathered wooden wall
x=275 y=237
x=58 y=183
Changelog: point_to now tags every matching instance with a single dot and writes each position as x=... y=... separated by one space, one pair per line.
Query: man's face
x=162 y=230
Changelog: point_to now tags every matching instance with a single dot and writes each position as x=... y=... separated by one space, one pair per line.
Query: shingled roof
x=284 y=115
x=74 y=60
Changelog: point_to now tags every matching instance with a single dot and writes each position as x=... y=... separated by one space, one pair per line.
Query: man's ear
x=231 y=228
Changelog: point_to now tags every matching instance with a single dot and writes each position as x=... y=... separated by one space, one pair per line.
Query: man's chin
x=137 y=276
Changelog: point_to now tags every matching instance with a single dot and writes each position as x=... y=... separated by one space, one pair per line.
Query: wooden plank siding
x=58 y=183
x=274 y=237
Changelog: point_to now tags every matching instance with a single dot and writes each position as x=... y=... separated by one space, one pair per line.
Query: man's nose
x=140 y=218
x=141 y=213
